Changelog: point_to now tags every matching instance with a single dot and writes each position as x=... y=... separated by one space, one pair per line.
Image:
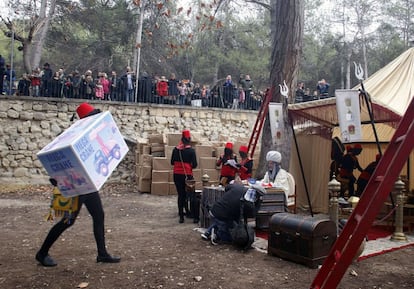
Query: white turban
x=274 y=156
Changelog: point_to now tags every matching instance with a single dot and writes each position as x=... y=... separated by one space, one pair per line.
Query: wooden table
x=273 y=202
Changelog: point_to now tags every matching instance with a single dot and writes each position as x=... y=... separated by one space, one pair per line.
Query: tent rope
x=386 y=216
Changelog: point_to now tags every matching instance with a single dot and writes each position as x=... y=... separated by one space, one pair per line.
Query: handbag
x=61 y=206
x=242 y=233
x=190 y=184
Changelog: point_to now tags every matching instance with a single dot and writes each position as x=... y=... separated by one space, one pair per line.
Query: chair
x=291 y=198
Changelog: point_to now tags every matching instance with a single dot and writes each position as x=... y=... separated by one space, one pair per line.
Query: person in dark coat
x=23 y=86
x=226 y=211
x=144 y=88
x=173 y=89
x=184 y=160
x=47 y=76
x=365 y=175
x=349 y=164
x=93 y=203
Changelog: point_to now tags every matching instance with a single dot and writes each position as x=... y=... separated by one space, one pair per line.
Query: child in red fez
x=245 y=165
x=228 y=163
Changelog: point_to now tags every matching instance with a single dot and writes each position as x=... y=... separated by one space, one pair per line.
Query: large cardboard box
x=173 y=189
x=145 y=172
x=144 y=185
x=173 y=139
x=207 y=162
x=161 y=163
x=83 y=157
x=145 y=160
x=160 y=188
x=203 y=151
x=197 y=174
x=168 y=151
x=160 y=176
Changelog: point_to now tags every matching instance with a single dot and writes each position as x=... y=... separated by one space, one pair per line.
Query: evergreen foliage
x=208 y=42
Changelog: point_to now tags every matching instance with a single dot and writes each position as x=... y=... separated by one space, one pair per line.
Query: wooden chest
x=208 y=197
x=302 y=239
x=273 y=202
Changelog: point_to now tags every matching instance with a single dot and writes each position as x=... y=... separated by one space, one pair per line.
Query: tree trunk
x=40 y=36
x=287 y=21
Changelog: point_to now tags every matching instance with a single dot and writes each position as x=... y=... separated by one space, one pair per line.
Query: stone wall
x=27 y=124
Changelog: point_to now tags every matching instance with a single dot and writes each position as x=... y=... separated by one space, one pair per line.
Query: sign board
x=349 y=116
x=276 y=122
x=83 y=157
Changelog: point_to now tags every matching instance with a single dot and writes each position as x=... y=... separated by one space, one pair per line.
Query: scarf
x=273 y=172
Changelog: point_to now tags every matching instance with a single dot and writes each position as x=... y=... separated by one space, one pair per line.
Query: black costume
x=226 y=211
x=184 y=160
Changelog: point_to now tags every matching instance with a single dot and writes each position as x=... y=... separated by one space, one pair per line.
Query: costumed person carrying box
x=93 y=203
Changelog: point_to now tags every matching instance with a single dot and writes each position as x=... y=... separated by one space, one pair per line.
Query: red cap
x=243 y=149
x=84 y=109
x=229 y=145
x=186 y=133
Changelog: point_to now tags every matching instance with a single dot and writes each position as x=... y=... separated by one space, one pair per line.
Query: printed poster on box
x=83 y=157
x=349 y=116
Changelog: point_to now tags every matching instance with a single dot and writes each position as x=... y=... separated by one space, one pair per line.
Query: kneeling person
x=226 y=211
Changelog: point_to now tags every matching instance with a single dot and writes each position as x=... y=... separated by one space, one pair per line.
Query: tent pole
x=301 y=168
x=371 y=118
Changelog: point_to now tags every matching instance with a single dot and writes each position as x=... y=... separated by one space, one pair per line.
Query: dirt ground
x=156 y=251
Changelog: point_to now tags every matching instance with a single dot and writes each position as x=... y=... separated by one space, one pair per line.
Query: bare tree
x=399 y=13
x=32 y=41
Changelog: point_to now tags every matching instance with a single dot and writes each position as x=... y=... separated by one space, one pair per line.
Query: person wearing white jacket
x=276 y=176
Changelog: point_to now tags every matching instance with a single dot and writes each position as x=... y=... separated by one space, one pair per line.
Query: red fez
x=243 y=149
x=186 y=133
x=84 y=109
x=229 y=145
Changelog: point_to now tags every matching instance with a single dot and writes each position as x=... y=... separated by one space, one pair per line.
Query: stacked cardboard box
x=161 y=168
x=144 y=174
x=154 y=169
x=157 y=145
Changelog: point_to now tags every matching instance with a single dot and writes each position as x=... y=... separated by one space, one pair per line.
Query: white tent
x=391 y=90
x=393 y=85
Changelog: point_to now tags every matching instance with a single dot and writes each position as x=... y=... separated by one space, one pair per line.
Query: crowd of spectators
x=151 y=89
x=303 y=94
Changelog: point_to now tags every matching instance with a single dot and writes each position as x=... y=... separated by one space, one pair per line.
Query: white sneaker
x=205 y=236
x=213 y=237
